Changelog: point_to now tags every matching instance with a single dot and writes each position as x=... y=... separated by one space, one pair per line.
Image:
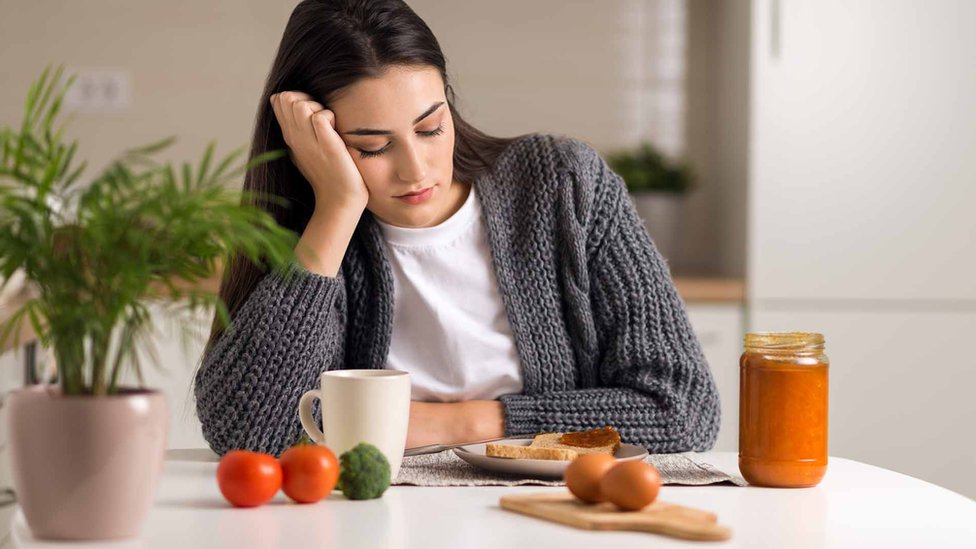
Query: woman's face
x=399 y=131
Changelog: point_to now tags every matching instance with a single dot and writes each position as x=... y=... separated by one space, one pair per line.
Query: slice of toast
x=547 y=446
x=528 y=452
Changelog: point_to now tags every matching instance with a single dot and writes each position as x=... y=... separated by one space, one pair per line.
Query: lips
x=417 y=197
x=421 y=191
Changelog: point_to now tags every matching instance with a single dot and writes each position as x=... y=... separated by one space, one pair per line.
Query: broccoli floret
x=364 y=472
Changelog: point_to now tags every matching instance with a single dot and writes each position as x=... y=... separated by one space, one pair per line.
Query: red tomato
x=309 y=472
x=248 y=479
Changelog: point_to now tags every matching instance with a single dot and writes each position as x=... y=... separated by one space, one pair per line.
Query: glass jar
x=783 y=409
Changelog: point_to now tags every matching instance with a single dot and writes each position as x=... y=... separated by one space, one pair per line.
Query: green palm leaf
x=98 y=253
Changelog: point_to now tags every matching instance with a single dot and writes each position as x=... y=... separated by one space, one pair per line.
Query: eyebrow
x=371 y=131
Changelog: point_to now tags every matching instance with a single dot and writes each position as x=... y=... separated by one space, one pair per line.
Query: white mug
x=361 y=406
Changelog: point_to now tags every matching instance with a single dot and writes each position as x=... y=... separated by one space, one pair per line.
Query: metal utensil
x=434 y=448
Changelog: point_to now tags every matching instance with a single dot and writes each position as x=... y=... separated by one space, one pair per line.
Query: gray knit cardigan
x=601 y=334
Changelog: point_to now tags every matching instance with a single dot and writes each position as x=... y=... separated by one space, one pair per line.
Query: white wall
x=197 y=68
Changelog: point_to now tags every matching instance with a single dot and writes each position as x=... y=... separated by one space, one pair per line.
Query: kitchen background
x=834 y=143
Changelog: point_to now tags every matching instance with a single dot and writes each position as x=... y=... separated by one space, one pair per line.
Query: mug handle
x=305 y=414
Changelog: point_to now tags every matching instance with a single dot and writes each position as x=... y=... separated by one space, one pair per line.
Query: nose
x=410 y=167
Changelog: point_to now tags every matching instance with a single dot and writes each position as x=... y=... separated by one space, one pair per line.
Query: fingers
x=292 y=96
x=277 y=111
x=283 y=113
x=323 y=124
x=296 y=113
x=304 y=110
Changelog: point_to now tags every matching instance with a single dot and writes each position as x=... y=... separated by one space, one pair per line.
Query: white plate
x=475 y=455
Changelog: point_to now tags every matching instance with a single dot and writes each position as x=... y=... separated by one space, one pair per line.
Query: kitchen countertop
x=704 y=289
x=856 y=505
x=692 y=288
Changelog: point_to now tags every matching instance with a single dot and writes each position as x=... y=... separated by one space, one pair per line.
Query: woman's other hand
x=318 y=151
x=454 y=422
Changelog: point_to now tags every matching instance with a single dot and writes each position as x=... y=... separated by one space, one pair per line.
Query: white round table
x=856 y=505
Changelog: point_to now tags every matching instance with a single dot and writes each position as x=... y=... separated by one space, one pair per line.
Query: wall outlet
x=100 y=90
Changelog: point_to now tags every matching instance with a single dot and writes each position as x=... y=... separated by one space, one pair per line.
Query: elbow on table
x=700 y=423
x=217 y=434
x=227 y=425
x=220 y=434
x=219 y=445
x=225 y=438
x=692 y=425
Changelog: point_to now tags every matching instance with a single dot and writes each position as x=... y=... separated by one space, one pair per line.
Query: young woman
x=511 y=277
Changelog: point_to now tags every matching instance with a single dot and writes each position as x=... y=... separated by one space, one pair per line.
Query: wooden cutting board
x=659 y=517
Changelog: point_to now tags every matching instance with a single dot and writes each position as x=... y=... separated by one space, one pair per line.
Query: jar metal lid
x=784 y=341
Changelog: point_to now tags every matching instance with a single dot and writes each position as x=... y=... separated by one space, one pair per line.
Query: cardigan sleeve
x=655 y=386
x=285 y=334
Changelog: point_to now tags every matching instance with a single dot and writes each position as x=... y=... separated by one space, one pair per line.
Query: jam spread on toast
x=594 y=438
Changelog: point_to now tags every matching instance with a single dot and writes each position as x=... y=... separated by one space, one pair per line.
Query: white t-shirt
x=450 y=329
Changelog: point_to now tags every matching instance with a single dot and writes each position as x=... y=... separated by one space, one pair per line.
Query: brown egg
x=631 y=485
x=583 y=476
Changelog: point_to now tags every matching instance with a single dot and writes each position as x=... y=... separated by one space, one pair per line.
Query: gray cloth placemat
x=446 y=469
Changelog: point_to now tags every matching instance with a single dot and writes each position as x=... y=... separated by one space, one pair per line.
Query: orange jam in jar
x=783 y=409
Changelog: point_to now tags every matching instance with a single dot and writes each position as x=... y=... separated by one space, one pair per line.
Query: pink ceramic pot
x=86 y=468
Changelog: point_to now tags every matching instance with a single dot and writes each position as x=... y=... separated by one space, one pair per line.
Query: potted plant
x=658 y=186
x=86 y=453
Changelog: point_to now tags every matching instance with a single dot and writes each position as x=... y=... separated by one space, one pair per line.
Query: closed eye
x=369 y=154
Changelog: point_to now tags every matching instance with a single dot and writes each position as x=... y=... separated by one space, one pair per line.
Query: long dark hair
x=328 y=45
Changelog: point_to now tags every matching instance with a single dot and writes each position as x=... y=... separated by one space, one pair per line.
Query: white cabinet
x=719 y=328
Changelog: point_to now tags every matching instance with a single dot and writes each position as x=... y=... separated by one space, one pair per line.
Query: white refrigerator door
x=863 y=150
